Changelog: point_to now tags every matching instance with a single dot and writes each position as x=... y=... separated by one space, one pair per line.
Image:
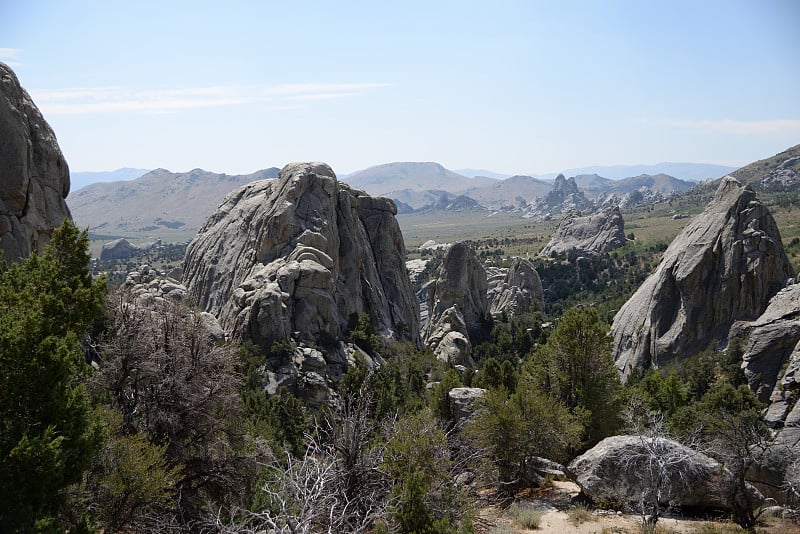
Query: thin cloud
x=80 y=101
x=734 y=127
x=11 y=56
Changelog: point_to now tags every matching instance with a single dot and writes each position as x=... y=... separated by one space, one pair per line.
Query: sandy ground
x=556 y=501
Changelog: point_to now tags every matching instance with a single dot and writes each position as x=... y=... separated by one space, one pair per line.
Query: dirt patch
x=559 y=513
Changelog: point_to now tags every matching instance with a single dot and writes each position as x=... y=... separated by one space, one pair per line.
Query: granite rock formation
x=616 y=469
x=119 y=249
x=458 y=310
x=723 y=267
x=34 y=176
x=515 y=290
x=594 y=234
x=563 y=198
x=296 y=256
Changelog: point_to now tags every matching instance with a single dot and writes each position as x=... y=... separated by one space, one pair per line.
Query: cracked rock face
x=516 y=290
x=34 y=177
x=296 y=256
x=723 y=267
x=458 y=309
x=594 y=234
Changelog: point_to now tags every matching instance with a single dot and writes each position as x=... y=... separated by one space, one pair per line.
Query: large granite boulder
x=458 y=310
x=591 y=235
x=623 y=468
x=119 y=249
x=515 y=290
x=34 y=177
x=723 y=267
x=297 y=256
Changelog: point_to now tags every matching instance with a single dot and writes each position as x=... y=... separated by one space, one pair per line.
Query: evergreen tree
x=576 y=366
x=47 y=438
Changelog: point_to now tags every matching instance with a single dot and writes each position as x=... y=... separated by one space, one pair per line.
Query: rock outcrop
x=619 y=469
x=563 y=198
x=34 y=177
x=464 y=402
x=296 y=256
x=515 y=290
x=119 y=249
x=458 y=310
x=723 y=267
x=591 y=235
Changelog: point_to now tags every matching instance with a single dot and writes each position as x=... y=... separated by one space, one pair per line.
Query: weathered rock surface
x=617 y=469
x=296 y=256
x=515 y=290
x=34 y=177
x=563 y=198
x=723 y=267
x=119 y=249
x=594 y=234
x=457 y=305
x=771 y=353
x=464 y=402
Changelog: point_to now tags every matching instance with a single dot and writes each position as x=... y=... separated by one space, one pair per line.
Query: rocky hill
x=724 y=267
x=34 y=176
x=296 y=256
x=779 y=173
x=588 y=235
x=159 y=199
x=516 y=192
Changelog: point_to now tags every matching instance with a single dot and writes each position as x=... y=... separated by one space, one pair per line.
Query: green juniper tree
x=47 y=437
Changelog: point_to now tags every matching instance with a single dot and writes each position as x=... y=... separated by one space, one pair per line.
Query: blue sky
x=514 y=87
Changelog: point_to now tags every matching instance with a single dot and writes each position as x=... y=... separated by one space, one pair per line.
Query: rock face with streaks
x=515 y=290
x=722 y=268
x=34 y=177
x=296 y=256
x=591 y=235
x=458 y=310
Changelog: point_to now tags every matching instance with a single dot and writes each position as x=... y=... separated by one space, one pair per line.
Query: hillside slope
x=159 y=199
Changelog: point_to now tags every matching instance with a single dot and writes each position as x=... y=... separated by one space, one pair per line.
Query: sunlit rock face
x=34 y=177
x=296 y=256
x=588 y=235
x=722 y=268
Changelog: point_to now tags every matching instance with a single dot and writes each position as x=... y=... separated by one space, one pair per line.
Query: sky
x=510 y=86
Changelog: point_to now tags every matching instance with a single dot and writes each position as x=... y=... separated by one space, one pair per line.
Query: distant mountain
x=474 y=173
x=593 y=184
x=382 y=179
x=159 y=199
x=694 y=172
x=81 y=179
x=660 y=183
x=453 y=204
x=513 y=191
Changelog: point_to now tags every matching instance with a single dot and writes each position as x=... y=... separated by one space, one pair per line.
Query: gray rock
x=594 y=234
x=464 y=402
x=565 y=196
x=457 y=303
x=119 y=249
x=723 y=267
x=296 y=256
x=772 y=341
x=514 y=291
x=34 y=176
x=616 y=470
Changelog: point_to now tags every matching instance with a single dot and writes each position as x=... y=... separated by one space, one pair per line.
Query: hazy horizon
x=512 y=87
